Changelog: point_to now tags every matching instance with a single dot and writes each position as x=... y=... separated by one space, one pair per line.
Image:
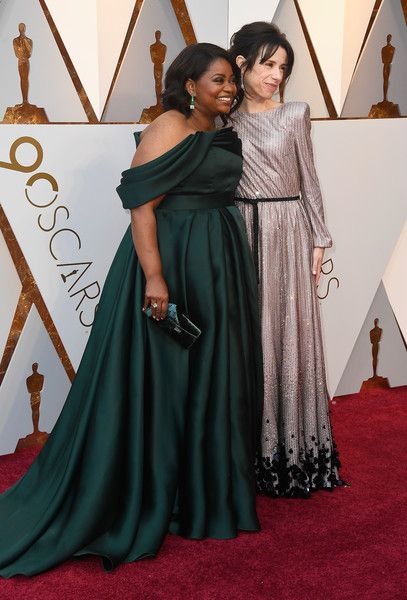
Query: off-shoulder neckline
x=195 y=133
x=190 y=135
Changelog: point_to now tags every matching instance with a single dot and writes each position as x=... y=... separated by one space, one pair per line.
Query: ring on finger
x=154 y=304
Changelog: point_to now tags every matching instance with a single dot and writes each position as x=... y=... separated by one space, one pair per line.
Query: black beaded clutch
x=177 y=325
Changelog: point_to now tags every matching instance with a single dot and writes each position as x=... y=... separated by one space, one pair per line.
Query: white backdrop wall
x=134 y=89
x=395 y=281
x=34 y=346
x=365 y=205
x=69 y=222
x=392 y=351
x=241 y=12
x=210 y=20
x=10 y=291
x=75 y=228
x=366 y=87
x=303 y=80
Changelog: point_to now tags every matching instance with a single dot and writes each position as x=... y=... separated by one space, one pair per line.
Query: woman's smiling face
x=215 y=90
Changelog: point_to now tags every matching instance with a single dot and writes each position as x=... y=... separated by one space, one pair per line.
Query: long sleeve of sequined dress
x=309 y=183
x=298 y=454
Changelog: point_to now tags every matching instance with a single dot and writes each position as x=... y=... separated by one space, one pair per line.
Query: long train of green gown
x=154 y=437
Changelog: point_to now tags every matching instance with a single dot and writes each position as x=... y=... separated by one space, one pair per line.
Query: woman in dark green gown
x=154 y=437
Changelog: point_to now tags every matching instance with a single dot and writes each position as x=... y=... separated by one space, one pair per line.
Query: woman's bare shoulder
x=171 y=123
x=165 y=132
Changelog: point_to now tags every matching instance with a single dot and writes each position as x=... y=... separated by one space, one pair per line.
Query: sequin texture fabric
x=298 y=454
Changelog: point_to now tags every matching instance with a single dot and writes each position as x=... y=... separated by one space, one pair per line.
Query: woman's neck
x=253 y=104
x=200 y=122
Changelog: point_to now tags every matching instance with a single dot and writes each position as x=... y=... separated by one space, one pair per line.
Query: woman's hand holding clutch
x=156 y=296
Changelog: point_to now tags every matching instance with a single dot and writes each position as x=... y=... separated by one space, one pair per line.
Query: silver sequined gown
x=297 y=453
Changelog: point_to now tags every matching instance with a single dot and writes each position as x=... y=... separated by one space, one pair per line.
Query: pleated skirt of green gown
x=152 y=436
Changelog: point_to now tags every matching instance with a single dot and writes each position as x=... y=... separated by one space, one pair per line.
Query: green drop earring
x=192 y=102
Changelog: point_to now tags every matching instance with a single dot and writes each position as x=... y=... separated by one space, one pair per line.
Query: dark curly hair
x=253 y=38
x=191 y=63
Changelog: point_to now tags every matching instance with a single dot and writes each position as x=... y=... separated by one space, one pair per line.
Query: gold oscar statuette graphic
x=158 y=51
x=385 y=108
x=376 y=381
x=24 y=112
x=35 y=383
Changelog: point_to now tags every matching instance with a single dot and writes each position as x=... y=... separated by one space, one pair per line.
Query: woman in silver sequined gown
x=282 y=207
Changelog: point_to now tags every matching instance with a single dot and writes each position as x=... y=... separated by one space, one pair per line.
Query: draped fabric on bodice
x=153 y=436
x=178 y=168
x=298 y=453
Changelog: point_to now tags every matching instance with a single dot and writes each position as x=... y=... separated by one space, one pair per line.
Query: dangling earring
x=192 y=102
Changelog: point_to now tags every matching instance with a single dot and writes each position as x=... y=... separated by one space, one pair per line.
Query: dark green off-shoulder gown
x=154 y=437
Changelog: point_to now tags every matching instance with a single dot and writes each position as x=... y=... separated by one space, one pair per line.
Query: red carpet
x=350 y=544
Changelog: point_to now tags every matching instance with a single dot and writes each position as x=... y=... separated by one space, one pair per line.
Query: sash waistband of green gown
x=196 y=201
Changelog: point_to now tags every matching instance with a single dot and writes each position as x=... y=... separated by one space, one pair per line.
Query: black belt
x=187 y=201
x=254 y=202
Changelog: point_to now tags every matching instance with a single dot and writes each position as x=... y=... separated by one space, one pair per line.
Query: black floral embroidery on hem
x=318 y=469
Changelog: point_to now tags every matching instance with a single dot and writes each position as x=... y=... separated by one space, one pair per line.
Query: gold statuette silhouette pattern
x=158 y=50
x=385 y=109
x=24 y=112
x=376 y=381
x=35 y=384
